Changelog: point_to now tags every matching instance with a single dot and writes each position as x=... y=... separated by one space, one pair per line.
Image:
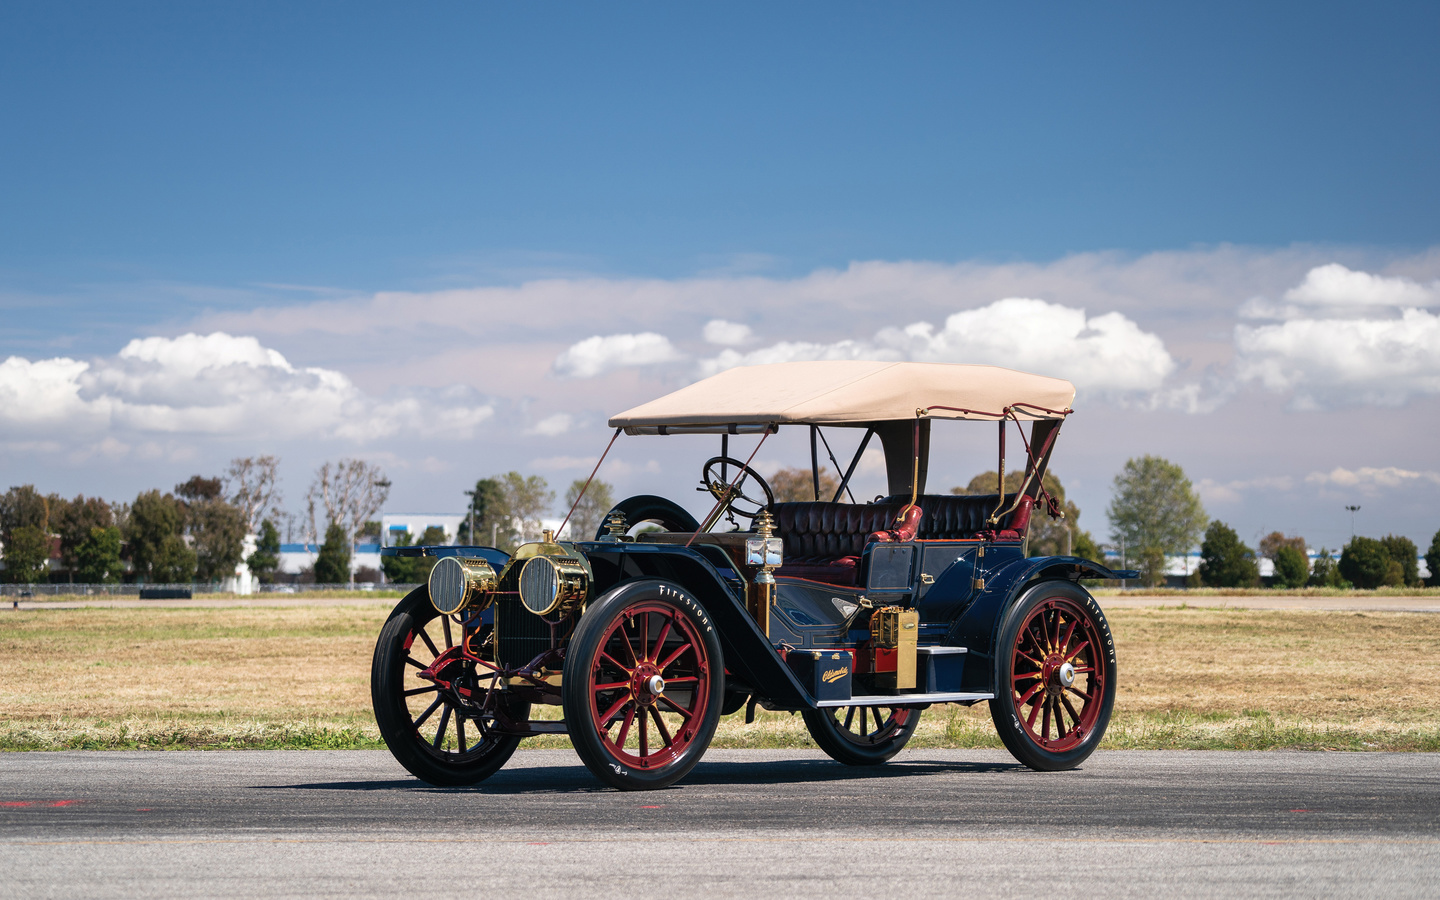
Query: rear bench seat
x=951 y=517
x=824 y=541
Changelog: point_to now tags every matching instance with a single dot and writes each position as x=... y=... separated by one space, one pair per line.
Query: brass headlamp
x=555 y=580
x=458 y=583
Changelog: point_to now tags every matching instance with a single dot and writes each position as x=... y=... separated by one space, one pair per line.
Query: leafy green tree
x=1432 y=560
x=1325 y=572
x=153 y=531
x=74 y=520
x=792 y=485
x=1224 y=560
x=528 y=499
x=332 y=565
x=1271 y=543
x=1048 y=537
x=487 y=509
x=589 y=515
x=1292 y=567
x=1154 y=512
x=173 y=562
x=27 y=550
x=97 y=558
x=1403 y=553
x=22 y=506
x=1366 y=563
x=265 y=561
x=217 y=531
x=413 y=569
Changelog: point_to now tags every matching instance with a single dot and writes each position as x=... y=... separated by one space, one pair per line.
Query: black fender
x=748 y=652
x=647 y=507
x=978 y=627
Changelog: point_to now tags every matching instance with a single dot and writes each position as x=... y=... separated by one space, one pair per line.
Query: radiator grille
x=522 y=634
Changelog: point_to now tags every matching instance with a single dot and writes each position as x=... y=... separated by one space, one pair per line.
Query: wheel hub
x=646 y=684
x=1065 y=675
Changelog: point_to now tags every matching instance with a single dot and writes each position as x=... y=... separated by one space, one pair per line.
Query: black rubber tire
x=390 y=677
x=649 y=508
x=590 y=737
x=845 y=745
x=1006 y=712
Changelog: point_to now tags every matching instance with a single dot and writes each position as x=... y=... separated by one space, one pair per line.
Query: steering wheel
x=722 y=491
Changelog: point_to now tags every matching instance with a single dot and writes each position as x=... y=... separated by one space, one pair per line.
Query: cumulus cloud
x=1108 y=352
x=551 y=426
x=726 y=334
x=596 y=355
x=1377 y=350
x=1367 y=477
x=214 y=385
x=1212 y=491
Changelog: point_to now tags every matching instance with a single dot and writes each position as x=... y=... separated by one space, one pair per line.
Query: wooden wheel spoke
x=1069 y=633
x=1034 y=710
x=614 y=685
x=420 y=690
x=440 y=732
x=1074 y=715
x=629 y=645
x=1078 y=651
x=460 y=731
x=675 y=706
x=1028 y=676
x=849 y=716
x=428 y=643
x=428 y=710
x=1045 y=720
x=625 y=727
x=1079 y=693
x=412 y=661
x=660 y=640
x=610 y=714
x=616 y=663
x=674 y=656
x=683 y=679
x=644 y=735
x=1030 y=694
x=660 y=726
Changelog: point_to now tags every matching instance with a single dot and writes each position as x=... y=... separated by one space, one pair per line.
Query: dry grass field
x=299 y=677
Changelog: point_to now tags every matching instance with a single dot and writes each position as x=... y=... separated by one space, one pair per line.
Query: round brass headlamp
x=553 y=583
x=458 y=582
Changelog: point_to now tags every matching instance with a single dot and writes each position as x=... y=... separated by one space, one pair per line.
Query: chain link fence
x=196 y=590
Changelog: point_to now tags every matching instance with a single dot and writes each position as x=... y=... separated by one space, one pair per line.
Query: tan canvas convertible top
x=852 y=392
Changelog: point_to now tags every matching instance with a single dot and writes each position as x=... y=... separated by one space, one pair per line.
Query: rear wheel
x=1055 y=677
x=861 y=735
x=443 y=728
x=643 y=685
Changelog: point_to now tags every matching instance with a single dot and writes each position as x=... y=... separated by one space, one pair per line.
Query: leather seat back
x=951 y=517
x=819 y=530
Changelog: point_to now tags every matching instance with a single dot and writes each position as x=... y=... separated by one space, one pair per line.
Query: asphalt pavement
x=744 y=824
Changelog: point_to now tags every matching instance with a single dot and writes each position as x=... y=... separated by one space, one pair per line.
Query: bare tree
x=352 y=491
x=253 y=486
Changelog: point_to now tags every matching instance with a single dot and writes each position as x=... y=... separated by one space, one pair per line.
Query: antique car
x=859 y=616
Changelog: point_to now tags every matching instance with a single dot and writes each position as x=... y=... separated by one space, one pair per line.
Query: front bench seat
x=824 y=541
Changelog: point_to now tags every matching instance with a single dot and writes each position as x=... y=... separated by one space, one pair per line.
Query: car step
x=907 y=699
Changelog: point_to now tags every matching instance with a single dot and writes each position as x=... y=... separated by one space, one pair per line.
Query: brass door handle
x=926 y=578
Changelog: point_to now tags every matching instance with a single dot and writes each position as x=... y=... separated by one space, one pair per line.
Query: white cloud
x=726 y=334
x=551 y=426
x=1366 y=477
x=213 y=385
x=597 y=355
x=1328 y=361
x=1335 y=285
x=1234 y=491
x=1107 y=353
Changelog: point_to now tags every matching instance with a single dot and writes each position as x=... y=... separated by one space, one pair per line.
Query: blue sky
x=323 y=178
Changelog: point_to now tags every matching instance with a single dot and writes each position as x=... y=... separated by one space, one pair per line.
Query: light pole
x=471 y=495
x=1352 y=520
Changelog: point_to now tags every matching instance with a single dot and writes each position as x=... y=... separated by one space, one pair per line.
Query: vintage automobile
x=858 y=616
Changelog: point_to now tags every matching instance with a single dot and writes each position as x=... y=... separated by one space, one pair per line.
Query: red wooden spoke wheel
x=437 y=711
x=643 y=685
x=862 y=735
x=1055 y=677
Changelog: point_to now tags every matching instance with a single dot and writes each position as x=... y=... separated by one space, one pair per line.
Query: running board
x=906 y=699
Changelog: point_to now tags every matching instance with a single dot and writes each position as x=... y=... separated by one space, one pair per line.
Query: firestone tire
x=1054 y=677
x=422 y=724
x=643 y=685
x=834 y=731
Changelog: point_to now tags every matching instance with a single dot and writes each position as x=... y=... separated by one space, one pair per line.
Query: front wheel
x=847 y=734
x=1054 y=678
x=423 y=719
x=643 y=685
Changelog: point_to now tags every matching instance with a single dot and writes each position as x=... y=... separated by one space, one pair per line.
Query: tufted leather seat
x=958 y=516
x=824 y=541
